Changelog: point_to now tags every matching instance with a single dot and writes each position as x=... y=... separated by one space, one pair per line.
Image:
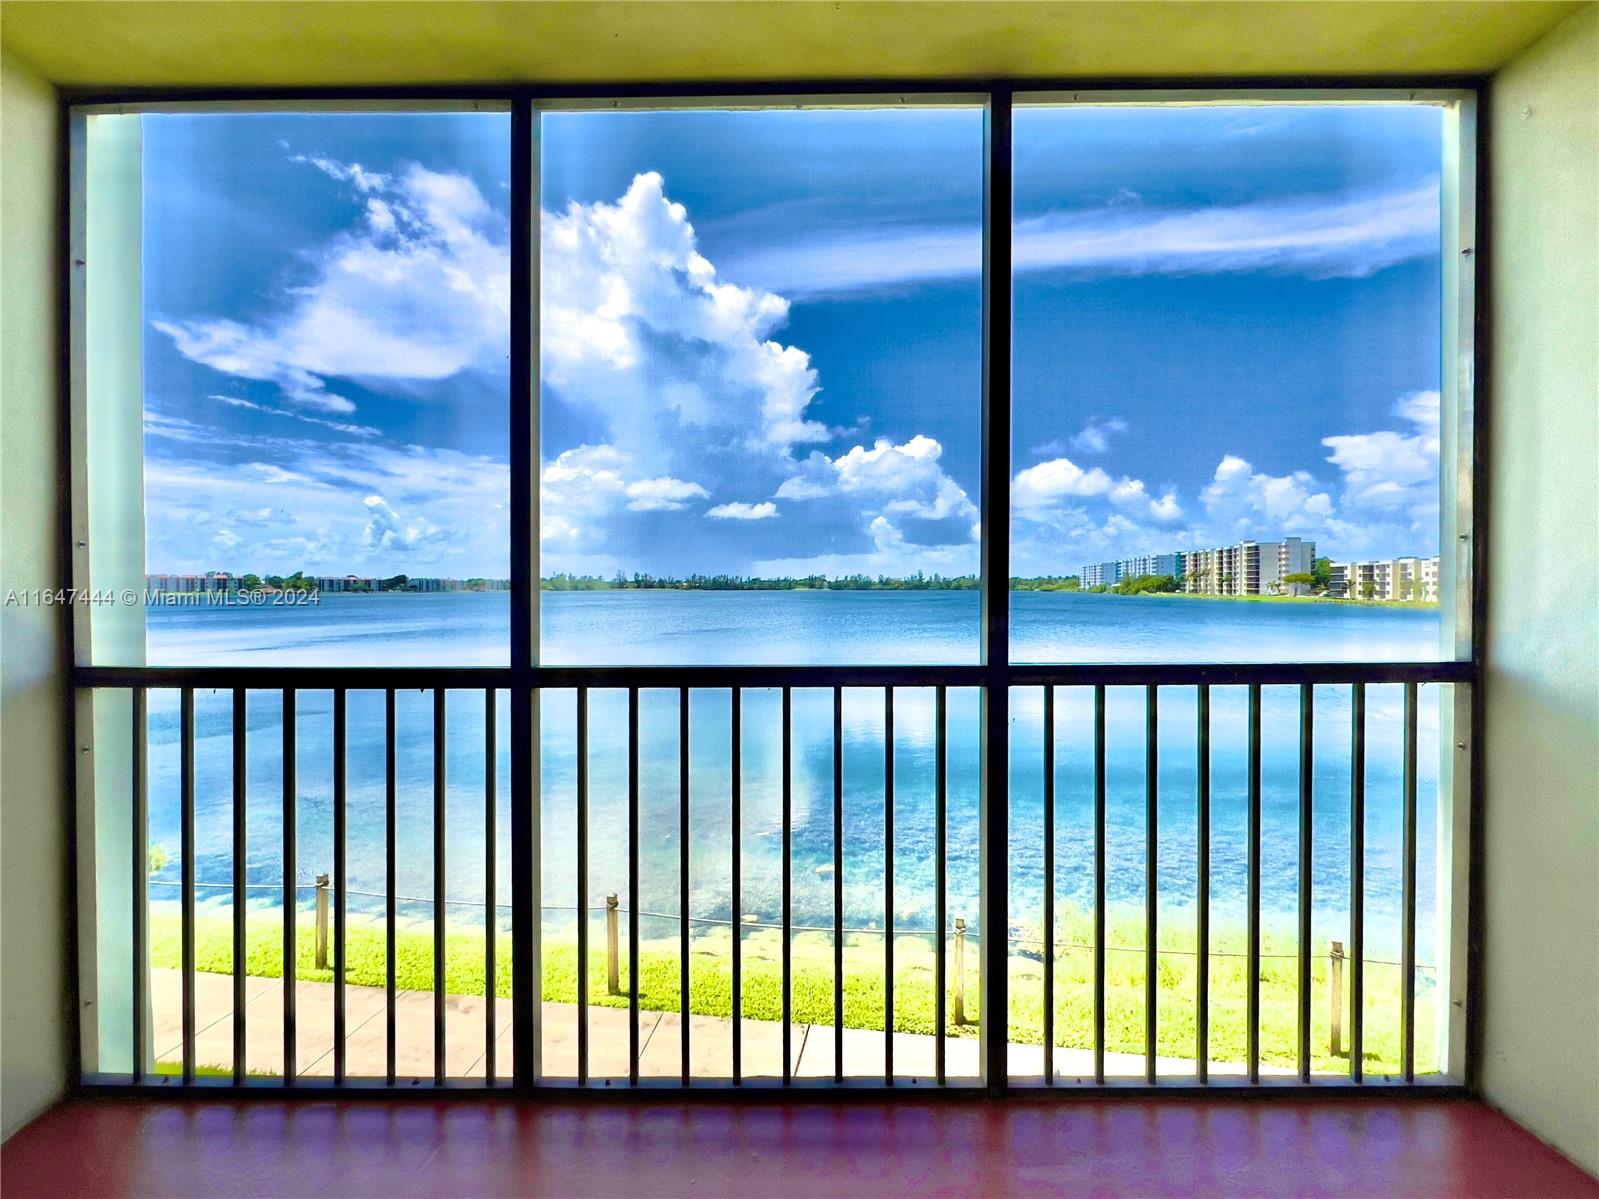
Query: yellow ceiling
x=291 y=42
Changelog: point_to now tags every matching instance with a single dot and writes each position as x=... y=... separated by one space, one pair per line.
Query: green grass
x=711 y=982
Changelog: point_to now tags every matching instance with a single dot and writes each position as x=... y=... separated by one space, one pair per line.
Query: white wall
x=1541 y=883
x=35 y=1019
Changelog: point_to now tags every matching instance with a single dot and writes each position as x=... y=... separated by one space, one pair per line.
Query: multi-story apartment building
x=1247 y=568
x=1408 y=578
x=212 y=582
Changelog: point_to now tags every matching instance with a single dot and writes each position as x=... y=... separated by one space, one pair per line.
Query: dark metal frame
x=524 y=679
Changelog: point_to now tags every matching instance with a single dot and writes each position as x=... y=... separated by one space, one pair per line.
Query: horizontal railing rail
x=624 y=951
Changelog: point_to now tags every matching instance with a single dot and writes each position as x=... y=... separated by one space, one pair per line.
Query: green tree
x=1368 y=591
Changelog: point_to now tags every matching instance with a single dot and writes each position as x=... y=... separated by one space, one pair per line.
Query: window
x=1227 y=371
x=309 y=315
x=761 y=367
x=553 y=534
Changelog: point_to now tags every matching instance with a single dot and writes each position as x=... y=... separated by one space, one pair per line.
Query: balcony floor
x=1105 y=1147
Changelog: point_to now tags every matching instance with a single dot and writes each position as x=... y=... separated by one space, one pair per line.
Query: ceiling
x=293 y=43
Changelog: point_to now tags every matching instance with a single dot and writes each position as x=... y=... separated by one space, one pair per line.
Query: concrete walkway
x=660 y=1039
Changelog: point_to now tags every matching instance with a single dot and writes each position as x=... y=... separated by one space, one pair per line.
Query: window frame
x=1462 y=468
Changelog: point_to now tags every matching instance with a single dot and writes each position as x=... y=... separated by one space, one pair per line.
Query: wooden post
x=1336 y=980
x=612 y=981
x=321 y=922
x=960 y=971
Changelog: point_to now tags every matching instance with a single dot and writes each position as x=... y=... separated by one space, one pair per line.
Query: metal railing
x=526 y=1009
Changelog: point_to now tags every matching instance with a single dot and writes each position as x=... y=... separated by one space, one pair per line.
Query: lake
x=807 y=627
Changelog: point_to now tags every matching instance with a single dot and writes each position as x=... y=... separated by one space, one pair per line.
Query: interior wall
x=1540 y=1041
x=35 y=1018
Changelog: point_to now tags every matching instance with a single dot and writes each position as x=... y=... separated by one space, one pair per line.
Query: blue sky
x=760 y=345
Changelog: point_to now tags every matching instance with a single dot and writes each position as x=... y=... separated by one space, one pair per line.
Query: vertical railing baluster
x=633 y=1039
x=1407 y=967
x=788 y=894
x=1151 y=877
x=1252 y=983
x=141 y=876
x=490 y=890
x=685 y=1004
x=1307 y=780
x=582 y=885
x=291 y=893
x=736 y=819
x=391 y=904
x=888 y=886
x=440 y=765
x=186 y=850
x=1099 y=882
x=240 y=863
x=940 y=875
x=1357 y=881
x=341 y=885
x=838 y=884
x=1049 y=885
x=1202 y=892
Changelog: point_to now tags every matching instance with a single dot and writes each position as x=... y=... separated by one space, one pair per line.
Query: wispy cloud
x=1322 y=236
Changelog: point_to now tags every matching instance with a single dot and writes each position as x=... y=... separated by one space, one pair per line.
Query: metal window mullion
x=1407 y=968
x=240 y=872
x=1049 y=886
x=582 y=885
x=440 y=815
x=888 y=886
x=524 y=745
x=736 y=822
x=391 y=905
x=1202 y=891
x=141 y=876
x=940 y=879
x=490 y=888
x=1307 y=782
x=186 y=850
x=290 y=891
x=1151 y=877
x=994 y=519
x=1357 y=881
x=1252 y=982
x=788 y=891
x=341 y=885
x=633 y=839
x=1100 y=847
x=685 y=998
x=838 y=884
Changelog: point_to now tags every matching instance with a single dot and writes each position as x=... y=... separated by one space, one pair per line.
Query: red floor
x=106 y=1148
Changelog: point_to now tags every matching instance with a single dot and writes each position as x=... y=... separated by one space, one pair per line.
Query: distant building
x=1247 y=568
x=1408 y=578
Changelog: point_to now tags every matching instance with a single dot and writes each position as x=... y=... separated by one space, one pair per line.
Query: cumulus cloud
x=638 y=325
x=1044 y=486
x=739 y=510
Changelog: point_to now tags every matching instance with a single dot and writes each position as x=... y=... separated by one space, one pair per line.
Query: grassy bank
x=711 y=982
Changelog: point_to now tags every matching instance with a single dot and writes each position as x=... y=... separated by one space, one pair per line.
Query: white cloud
x=637 y=324
x=663 y=495
x=1342 y=234
x=1393 y=470
x=1095 y=436
x=1044 y=486
x=738 y=510
x=418 y=291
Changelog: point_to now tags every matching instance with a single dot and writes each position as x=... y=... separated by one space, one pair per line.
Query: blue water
x=790 y=627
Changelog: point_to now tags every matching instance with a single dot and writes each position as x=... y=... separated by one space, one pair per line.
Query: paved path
x=660 y=1039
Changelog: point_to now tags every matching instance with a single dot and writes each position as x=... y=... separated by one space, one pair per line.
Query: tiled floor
x=109 y=1148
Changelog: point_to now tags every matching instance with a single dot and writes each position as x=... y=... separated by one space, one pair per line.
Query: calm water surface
x=807 y=627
